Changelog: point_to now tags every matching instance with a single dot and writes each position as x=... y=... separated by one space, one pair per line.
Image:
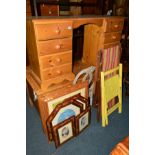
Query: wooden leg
x=120 y=102
x=99 y=110
x=120 y=108
x=98 y=100
x=106 y=113
x=126 y=87
x=106 y=120
x=103 y=120
x=29 y=98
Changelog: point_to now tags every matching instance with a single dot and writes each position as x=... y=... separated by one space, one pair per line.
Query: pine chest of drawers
x=49 y=44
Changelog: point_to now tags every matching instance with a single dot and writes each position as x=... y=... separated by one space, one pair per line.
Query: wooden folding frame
x=110 y=88
x=65 y=104
x=82 y=121
x=46 y=100
x=76 y=106
x=105 y=62
x=64 y=131
x=81 y=100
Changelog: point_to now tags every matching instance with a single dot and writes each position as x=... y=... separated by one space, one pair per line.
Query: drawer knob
x=116 y=26
x=58 y=72
x=69 y=27
x=50 y=61
x=58 y=46
x=113 y=37
x=58 y=60
x=57 y=31
x=49 y=12
x=49 y=74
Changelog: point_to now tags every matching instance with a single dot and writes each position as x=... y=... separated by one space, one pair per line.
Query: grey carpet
x=94 y=140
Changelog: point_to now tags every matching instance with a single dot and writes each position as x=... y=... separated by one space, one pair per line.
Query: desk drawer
x=54 y=72
x=54 y=46
x=56 y=59
x=53 y=30
x=111 y=37
x=113 y=25
x=49 y=10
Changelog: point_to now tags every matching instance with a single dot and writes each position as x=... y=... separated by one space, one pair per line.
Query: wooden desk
x=49 y=44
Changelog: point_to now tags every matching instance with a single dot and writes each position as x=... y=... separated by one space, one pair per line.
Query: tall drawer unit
x=113 y=24
x=107 y=35
x=49 y=45
x=112 y=30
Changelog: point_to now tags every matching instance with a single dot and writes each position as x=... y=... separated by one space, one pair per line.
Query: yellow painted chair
x=107 y=58
x=111 y=86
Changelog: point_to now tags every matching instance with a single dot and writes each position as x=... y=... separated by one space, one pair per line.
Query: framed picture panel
x=59 y=96
x=47 y=102
x=64 y=131
x=69 y=109
x=62 y=112
x=81 y=100
x=82 y=121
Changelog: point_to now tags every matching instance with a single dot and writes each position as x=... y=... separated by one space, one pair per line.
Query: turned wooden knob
x=69 y=27
x=113 y=37
x=49 y=60
x=116 y=26
x=58 y=72
x=58 y=60
x=49 y=12
x=57 y=31
x=58 y=46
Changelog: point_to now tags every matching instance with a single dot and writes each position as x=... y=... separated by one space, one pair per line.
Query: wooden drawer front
x=28 y=14
x=28 y=8
x=49 y=10
x=54 y=46
x=56 y=71
x=56 y=59
x=111 y=37
x=53 y=30
x=114 y=25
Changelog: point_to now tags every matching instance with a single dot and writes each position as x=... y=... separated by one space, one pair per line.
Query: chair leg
x=103 y=122
x=99 y=113
x=103 y=112
x=99 y=110
x=120 y=104
x=98 y=101
x=106 y=116
x=120 y=108
x=103 y=115
x=106 y=112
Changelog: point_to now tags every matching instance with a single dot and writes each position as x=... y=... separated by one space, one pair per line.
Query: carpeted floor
x=94 y=140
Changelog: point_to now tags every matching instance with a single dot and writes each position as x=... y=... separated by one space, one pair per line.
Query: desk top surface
x=72 y=17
